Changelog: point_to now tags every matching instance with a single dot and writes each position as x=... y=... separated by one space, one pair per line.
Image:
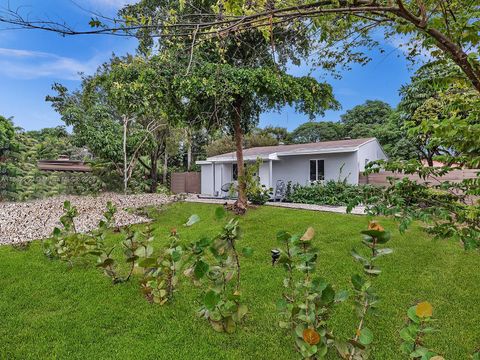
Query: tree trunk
x=188 y=140
x=189 y=156
x=165 y=167
x=240 y=205
x=153 y=172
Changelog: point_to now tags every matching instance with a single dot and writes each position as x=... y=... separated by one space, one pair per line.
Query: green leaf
x=328 y=295
x=372 y=271
x=283 y=236
x=357 y=282
x=241 y=312
x=193 y=219
x=411 y=313
x=230 y=325
x=385 y=251
x=148 y=262
x=406 y=335
x=366 y=336
x=201 y=268
x=247 y=251
x=341 y=296
x=211 y=300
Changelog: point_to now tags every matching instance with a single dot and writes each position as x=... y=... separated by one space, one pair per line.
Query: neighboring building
x=298 y=163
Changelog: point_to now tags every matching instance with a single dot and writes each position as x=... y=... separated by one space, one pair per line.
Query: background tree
x=362 y=120
x=317 y=131
x=392 y=135
x=279 y=133
x=419 y=103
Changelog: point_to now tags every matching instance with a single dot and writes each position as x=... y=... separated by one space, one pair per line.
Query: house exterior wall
x=297 y=168
x=264 y=173
x=369 y=152
x=206 y=179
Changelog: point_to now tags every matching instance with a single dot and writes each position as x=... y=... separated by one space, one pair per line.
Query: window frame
x=317 y=178
x=234 y=172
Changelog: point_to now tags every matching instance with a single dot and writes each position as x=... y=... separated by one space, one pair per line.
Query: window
x=317 y=170
x=234 y=172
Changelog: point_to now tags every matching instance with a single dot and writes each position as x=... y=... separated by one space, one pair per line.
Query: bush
x=256 y=193
x=337 y=193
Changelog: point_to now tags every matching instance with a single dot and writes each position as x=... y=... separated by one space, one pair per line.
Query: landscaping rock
x=36 y=219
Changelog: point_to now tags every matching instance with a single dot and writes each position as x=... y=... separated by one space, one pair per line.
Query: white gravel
x=36 y=219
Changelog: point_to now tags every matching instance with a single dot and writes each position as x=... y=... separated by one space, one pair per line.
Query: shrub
x=335 y=193
x=257 y=194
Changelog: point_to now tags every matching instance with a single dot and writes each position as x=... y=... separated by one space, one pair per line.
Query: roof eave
x=318 y=152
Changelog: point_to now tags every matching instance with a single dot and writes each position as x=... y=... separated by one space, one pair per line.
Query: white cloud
x=27 y=64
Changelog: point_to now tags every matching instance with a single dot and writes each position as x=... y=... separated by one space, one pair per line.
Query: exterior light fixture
x=275 y=256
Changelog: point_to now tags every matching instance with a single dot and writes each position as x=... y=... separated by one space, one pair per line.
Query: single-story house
x=299 y=163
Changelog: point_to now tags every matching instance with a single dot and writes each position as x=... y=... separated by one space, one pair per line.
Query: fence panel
x=381 y=178
x=185 y=182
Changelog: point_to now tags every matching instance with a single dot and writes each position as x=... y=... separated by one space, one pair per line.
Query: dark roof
x=63 y=165
x=350 y=144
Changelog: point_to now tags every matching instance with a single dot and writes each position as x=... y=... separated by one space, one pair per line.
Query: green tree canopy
x=316 y=132
x=361 y=121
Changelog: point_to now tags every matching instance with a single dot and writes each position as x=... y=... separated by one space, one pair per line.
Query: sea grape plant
x=221 y=302
x=104 y=253
x=65 y=243
x=160 y=276
x=307 y=301
x=136 y=244
x=366 y=298
x=419 y=324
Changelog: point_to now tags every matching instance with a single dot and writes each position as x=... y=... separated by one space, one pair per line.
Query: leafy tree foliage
x=242 y=93
x=316 y=132
x=360 y=121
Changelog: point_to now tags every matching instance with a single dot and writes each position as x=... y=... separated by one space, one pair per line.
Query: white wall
x=223 y=175
x=297 y=168
x=369 y=152
x=264 y=173
x=206 y=179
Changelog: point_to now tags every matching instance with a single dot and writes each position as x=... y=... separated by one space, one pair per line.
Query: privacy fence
x=185 y=182
x=381 y=178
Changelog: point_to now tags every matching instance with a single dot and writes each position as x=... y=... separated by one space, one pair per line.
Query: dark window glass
x=234 y=172
x=313 y=170
x=320 y=170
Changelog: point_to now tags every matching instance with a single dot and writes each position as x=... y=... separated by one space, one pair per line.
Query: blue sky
x=31 y=61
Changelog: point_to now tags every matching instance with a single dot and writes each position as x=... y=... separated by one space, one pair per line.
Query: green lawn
x=50 y=311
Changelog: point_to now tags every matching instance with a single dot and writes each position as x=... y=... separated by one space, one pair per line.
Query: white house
x=298 y=163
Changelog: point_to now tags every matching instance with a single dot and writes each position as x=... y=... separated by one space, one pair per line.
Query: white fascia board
x=203 y=162
x=233 y=160
x=315 y=152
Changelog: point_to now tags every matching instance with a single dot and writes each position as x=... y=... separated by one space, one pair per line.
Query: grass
x=50 y=311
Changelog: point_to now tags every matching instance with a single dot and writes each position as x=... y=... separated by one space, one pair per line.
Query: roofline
x=276 y=155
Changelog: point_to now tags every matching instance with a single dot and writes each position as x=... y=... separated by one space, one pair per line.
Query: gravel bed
x=36 y=219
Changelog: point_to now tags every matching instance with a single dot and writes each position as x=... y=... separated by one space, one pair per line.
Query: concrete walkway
x=359 y=210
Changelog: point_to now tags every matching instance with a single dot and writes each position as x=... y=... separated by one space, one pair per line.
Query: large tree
x=240 y=94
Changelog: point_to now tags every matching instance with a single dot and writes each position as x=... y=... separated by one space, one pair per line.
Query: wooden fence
x=381 y=178
x=185 y=182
